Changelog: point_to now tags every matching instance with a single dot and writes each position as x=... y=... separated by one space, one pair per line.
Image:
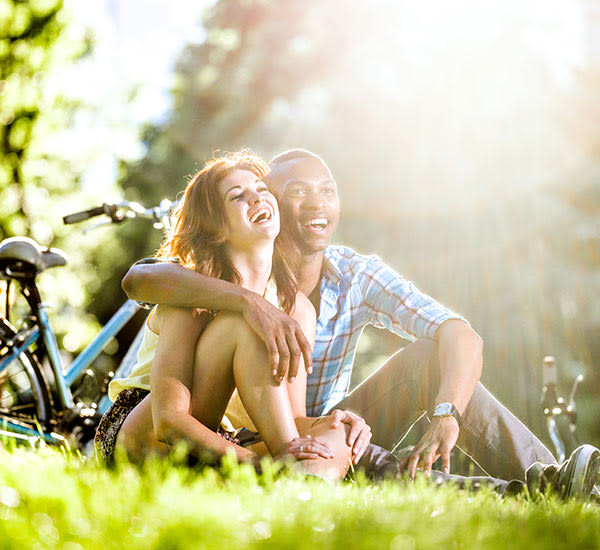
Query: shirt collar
x=330 y=270
x=330 y=289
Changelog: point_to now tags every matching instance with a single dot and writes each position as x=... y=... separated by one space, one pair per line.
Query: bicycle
x=560 y=414
x=39 y=398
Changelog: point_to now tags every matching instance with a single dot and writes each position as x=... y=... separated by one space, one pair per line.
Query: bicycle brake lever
x=95 y=226
x=574 y=389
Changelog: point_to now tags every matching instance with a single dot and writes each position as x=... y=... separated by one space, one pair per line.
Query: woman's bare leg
x=136 y=435
x=229 y=354
x=229 y=340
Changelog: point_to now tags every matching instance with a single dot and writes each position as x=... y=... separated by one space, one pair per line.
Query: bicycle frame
x=37 y=328
x=561 y=414
x=65 y=380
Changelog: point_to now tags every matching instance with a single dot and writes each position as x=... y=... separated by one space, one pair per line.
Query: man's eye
x=297 y=192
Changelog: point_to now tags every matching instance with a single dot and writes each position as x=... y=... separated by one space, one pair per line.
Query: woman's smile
x=250 y=208
x=262 y=215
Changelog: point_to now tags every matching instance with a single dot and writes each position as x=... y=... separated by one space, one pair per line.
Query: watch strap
x=446 y=409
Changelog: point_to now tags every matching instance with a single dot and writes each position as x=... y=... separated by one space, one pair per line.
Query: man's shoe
x=574 y=478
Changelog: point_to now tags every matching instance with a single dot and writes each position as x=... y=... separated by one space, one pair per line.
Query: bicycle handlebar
x=124 y=210
x=77 y=217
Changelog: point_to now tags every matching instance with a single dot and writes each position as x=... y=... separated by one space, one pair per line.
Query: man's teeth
x=261 y=215
x=317 y=223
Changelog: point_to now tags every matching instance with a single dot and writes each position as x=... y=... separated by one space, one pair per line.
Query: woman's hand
x=303 y=448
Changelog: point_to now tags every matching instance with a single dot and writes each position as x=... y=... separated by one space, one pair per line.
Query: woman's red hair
x=197 y=236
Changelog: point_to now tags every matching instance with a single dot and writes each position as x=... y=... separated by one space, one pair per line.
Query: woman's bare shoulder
x=303 y=307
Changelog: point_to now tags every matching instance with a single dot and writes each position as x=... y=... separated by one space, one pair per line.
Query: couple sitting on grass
x=252 y=345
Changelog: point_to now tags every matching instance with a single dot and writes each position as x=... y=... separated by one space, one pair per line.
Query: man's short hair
x=294 y=154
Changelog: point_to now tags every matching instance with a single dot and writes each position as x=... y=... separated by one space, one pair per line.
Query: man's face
x=308 y=202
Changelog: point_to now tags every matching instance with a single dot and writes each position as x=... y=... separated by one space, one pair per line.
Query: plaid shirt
x=356 y=291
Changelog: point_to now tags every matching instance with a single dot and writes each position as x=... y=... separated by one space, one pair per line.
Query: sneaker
x=574 y=478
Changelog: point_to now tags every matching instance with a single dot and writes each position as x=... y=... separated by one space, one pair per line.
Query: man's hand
x=438 y=441
x=359 y=435
x=282 y=335
x=302 y=448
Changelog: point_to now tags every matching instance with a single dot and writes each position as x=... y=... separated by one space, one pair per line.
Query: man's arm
x=460 y=355
x=398 y=305
x=176 y=286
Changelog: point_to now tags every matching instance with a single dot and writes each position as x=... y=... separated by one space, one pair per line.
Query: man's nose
x=313 y=200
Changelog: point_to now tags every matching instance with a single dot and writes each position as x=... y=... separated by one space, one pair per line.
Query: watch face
x=443 y=409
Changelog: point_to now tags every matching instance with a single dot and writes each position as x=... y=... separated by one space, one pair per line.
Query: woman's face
x=250 y=209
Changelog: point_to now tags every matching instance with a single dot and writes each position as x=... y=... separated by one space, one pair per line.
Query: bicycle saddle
x=22 y=255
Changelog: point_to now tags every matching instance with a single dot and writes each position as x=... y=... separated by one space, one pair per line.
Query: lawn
x=50 y=499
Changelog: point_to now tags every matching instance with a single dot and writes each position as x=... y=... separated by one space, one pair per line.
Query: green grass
x=50 y=499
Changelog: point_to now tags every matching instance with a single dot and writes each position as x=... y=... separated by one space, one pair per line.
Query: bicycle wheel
x=24 y=395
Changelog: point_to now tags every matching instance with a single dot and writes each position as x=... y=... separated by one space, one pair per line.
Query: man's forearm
x=460 y=349
x=177 y=286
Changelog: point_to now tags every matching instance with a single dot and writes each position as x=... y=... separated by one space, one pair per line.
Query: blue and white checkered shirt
x=356 y=291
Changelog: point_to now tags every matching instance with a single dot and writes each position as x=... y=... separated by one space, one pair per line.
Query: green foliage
x=37 y=41
x=50 y=500
x=33 y=45
x=40 y=173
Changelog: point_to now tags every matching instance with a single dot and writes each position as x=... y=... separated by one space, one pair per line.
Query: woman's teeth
x=261 y=215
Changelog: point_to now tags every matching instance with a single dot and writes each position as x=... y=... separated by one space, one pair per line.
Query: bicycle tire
x=24 y=393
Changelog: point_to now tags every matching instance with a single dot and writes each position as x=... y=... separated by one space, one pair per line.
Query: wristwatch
x=446 y=409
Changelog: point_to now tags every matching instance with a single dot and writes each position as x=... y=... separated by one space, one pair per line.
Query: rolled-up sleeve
x=399 y=306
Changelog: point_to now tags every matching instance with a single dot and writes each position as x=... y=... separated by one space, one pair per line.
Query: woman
x=226 y=227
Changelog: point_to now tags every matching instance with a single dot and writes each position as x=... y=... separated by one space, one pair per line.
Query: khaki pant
x=403 y=389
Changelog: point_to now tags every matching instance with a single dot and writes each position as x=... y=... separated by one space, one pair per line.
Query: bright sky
x=553 y=28
x=138 y=42
x=136 y=45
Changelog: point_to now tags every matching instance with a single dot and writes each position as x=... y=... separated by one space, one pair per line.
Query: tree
x=33 y=43
x=38 y=173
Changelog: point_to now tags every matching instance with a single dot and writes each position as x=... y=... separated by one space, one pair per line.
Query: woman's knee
x=336 y=438
x=333 y=435
x=232 y=326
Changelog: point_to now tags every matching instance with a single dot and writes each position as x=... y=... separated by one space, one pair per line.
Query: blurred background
x=464 y=137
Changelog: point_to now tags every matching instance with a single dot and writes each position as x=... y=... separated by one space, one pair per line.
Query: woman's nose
x=254 y=197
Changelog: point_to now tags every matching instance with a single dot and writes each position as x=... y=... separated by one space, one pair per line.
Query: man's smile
x=317 y=224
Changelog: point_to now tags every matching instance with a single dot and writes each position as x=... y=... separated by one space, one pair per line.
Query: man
x=437 y=374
